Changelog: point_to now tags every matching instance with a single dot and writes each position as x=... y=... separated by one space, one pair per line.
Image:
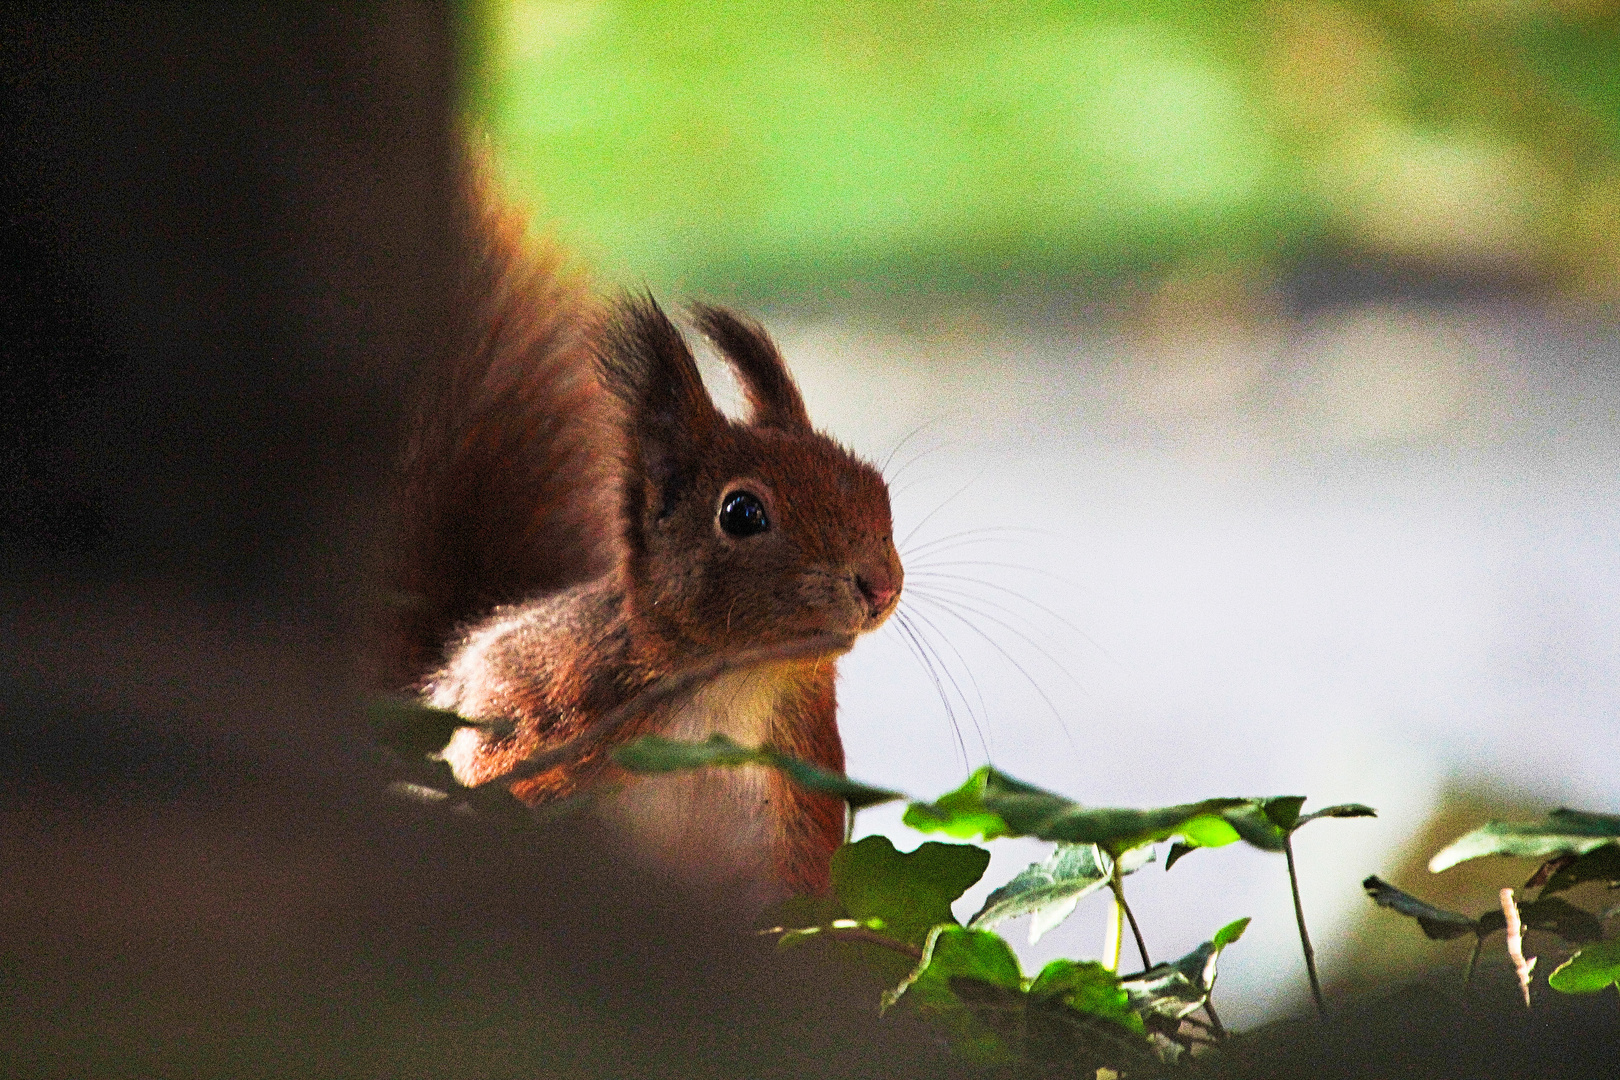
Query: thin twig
x=669 y=687
x=1473 y=958
x=1304 y=935
x=872 y=937
x=1215 y=1021
x=852 y=933
x=1515 y=944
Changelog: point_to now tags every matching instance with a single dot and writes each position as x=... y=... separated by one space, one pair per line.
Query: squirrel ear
x=773 y=397
x=668 y=415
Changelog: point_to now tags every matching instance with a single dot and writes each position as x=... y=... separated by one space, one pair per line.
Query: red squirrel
x=582 y=524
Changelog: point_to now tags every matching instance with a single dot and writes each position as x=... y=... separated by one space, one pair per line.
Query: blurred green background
x=788 y=148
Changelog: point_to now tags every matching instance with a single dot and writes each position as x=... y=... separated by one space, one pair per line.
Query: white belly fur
x=712 y=824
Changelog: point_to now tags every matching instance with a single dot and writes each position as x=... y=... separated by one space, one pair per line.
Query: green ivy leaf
x=1594 y=968
x=962 y=813
x=1341 y=810
x=656 y=754
x=992 y=804
x=1552 y=914
x=1255 y=824
x=410 y=728
x=1438 y=924
x=1268 y=823
x=1073 y=1013
x=1599 y=864
x=1170 y=991
x=1230 y=932
x=815 y=778
x=1283 y=810
x=1565 y=832
x=1177 y=851
x=955 y=958
x=1049 y=889
x=954 y=951
x=911 y=892
x=1088 y=987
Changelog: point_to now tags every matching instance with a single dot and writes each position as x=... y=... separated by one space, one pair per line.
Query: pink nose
x=878 y=590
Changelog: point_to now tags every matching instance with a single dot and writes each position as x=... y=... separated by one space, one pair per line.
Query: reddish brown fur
x=507 y=480
x=561 y=496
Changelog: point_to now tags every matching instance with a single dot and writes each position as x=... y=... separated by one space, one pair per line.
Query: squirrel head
x=738 y=533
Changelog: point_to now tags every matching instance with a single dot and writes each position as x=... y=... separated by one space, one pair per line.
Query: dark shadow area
x=222 y=246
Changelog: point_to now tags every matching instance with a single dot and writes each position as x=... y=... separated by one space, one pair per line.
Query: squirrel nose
x=877 y=587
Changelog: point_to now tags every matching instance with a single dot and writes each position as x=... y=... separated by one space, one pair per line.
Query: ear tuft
x=667 y=416
x=773 y=397
x=646 y=364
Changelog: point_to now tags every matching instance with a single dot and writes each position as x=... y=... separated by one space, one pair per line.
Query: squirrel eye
x=742 y=514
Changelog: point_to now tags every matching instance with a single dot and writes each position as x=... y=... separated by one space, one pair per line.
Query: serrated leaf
x=1599 y=864
x=410 y=728
x=1173 y=990
x=656 y=754
x=912 y=891
x=1553 y=914
x=1438 y=924
x=1049 y=889
x=1565 y=832
x=1594 y=968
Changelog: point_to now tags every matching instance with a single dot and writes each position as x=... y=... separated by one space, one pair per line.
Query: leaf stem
x=1304 y=935
x=1215 y=1021
x=1118 y=887
x=1111 y=940
x=872 y=937
x=1473 y=958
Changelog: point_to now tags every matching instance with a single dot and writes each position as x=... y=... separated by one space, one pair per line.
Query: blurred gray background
x=1365 y=554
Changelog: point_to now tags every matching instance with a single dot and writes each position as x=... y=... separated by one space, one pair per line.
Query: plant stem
x=1118 y=887
x=872 y=937
x=1116 y=930
x=1304 y=935
x=849 y=822
x=1473 y=958
x=1214 y=1021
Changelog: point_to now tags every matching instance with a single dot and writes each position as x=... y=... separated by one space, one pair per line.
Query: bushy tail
x=506 y=483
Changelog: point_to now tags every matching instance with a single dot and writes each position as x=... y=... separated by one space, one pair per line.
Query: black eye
x=742 y=514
